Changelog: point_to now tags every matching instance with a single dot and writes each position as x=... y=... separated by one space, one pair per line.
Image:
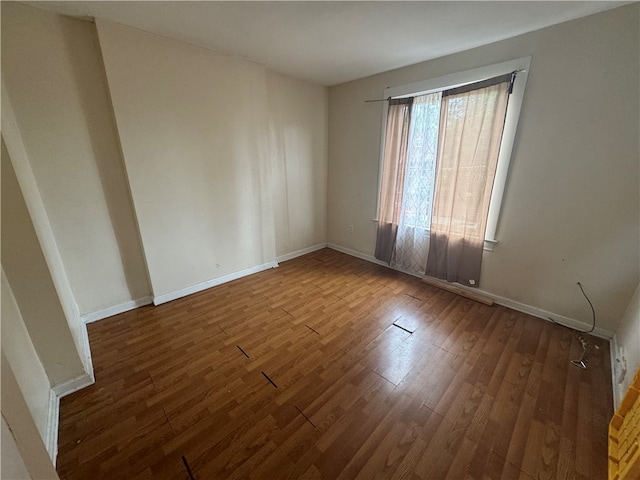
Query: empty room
x=320 y=240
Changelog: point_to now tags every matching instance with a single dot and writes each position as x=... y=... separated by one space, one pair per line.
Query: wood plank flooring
x=298 y=372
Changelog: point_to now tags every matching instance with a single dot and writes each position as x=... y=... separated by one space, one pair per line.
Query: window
x=454 y=136
x=421 y=161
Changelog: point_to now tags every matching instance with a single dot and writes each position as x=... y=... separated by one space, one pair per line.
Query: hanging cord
x=593 y=312
x=582 y=361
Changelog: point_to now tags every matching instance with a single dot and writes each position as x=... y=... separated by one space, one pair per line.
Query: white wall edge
x=617 y=393
x=505 y=302
x=299 y=253
x=53 y=417
x=116 y=309
x=39 y=219
x=167 y=297
x=73 y=385
x=86 y=352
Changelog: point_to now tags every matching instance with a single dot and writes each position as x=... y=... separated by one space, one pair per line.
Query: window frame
x=458 y=79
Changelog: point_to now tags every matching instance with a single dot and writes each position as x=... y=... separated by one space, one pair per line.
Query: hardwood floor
x=300 y=372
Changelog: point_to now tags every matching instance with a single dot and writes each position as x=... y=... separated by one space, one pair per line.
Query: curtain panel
x=393 y=173
x=471 y=125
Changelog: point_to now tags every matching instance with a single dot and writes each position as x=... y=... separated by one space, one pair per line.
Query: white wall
x=193 y=129
x=19 y=350
x=33 y=288
x=13 y=467
x=27 y=439
x=298 y=115
x=628 y=341
x=224 y=159
x=214 y=195
x=218 y=215
x=54 y=74
x=571 y=206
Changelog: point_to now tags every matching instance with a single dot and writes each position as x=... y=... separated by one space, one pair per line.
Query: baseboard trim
x=53 y=417
x=369 y=258
x=357 y=254
x=167 y=297
x=505 y=302
x=116 y=309
x=73 y=385
x=299 y=253
x=546 y=315
x=458 y=290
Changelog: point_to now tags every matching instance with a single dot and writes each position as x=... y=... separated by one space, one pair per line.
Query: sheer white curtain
x=412 y=241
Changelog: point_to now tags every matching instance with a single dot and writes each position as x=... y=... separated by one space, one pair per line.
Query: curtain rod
x=389 y=98
x=381 y=100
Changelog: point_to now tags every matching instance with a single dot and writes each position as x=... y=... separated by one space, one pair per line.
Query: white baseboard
x=73 y=385
x=356 y=254
x=369 y=258
x=298 y=253
x=116 y=309
x=100 y=315
x=520 y=307
x=546 y=315
x=53 y=417
x=167 y=297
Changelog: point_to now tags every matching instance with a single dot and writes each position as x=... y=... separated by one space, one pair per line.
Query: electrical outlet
x=350 y=228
